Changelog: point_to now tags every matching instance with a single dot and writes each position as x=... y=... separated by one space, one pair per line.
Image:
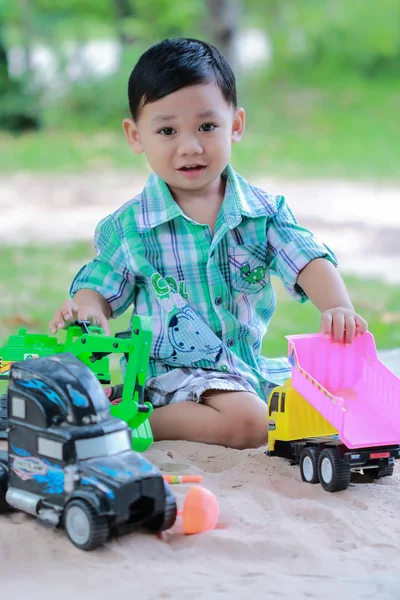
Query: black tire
x=309 y=465
x=94 y=529
x=334 y=474
x=380 y=472
x=3 y=489
x=3 y=416
x=166 y=519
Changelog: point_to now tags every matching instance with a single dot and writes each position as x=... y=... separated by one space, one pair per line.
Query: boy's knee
x=250 y=424
x=243 y=420
x=251 y=432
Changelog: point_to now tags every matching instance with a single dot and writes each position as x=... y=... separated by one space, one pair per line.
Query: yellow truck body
x=291 y=417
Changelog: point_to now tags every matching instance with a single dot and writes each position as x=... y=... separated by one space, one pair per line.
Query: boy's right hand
x=71 y=312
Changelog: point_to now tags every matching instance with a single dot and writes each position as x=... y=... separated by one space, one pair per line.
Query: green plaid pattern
x=209 y=296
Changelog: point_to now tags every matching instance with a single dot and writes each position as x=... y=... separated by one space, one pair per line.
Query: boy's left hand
x=342 y=324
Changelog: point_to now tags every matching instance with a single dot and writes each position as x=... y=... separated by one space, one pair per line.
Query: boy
x=195 y=251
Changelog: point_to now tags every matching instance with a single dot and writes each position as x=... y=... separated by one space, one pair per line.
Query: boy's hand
x=71 y=312
x=342 y=324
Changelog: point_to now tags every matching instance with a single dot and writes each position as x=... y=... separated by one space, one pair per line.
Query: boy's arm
x=324 y=286
x=107 y=282
x=104 y=287
x=307 y=269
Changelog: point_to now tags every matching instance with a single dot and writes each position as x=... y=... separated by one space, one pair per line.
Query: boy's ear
x=132 y=135
x=238 y=124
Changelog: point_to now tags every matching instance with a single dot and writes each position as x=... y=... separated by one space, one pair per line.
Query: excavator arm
x=93 y=347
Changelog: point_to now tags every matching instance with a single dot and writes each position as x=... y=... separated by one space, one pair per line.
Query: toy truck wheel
x=85 y=528
x=3 y=489
x=334 y=474
x=309 y=465
x=166 y=519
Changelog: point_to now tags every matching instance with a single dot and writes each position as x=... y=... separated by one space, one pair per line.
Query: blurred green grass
x=323 y=128
x=35 y=279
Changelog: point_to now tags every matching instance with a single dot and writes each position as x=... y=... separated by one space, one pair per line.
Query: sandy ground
x=277 y=537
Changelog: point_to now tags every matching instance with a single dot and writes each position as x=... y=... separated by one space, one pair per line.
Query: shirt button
x=230 y=343
x=218 y=300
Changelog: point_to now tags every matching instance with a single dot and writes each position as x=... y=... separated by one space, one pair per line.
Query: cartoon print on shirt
x=252 y=275
x=248 y=270
x=159 y=284
x=192 y=339
x=167 y=291
x=171 y=281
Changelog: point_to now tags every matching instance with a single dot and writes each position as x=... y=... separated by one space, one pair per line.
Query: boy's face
x=187 y=136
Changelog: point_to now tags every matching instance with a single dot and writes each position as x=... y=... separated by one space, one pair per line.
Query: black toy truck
x=69 y=462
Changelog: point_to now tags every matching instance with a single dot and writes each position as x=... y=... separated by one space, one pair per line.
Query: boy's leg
x=232 y=419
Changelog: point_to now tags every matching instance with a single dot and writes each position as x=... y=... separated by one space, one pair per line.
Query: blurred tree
x=223 y=17
x=4 y=76
x=124 y=11
x=25 y=14
x=17 y=111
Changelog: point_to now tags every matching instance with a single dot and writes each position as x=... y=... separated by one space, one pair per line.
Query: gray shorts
x=185 y=383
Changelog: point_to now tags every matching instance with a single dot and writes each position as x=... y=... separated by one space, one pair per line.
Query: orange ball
x=200 y=510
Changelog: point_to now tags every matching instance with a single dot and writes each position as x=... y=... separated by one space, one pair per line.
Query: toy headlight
x=71 y=478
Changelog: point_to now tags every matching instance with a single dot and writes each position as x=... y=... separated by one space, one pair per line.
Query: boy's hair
x=176 y=63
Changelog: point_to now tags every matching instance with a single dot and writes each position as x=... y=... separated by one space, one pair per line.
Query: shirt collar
x=250 y=201
x=157 y=204
x=241 y=199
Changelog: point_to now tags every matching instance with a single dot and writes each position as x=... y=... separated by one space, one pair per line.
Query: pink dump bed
x=349 y=386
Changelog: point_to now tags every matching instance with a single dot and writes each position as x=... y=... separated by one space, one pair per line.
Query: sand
x=277 y=537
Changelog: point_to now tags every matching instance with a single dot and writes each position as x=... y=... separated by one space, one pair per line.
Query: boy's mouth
x=191 y=171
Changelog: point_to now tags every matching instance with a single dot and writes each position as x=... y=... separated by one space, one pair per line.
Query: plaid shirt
x=210 y=296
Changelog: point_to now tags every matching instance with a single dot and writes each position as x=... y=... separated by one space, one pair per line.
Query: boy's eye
x=167 y=131
x=207 y=127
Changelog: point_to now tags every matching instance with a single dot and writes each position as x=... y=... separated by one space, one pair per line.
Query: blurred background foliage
x=319 y=80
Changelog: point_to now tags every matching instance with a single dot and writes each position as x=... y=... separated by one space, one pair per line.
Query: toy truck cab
x=291 y=417
x=69 y=462
x=21 y=346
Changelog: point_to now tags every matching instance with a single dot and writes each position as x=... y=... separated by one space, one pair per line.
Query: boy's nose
x=189 y=146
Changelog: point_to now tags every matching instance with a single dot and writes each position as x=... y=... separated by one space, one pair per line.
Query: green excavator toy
x=90 y=345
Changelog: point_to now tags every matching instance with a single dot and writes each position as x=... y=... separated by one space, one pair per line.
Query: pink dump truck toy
x=339 y=412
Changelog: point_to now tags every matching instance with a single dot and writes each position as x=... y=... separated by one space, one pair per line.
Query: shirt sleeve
x=291 y=247
x=108 y=273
